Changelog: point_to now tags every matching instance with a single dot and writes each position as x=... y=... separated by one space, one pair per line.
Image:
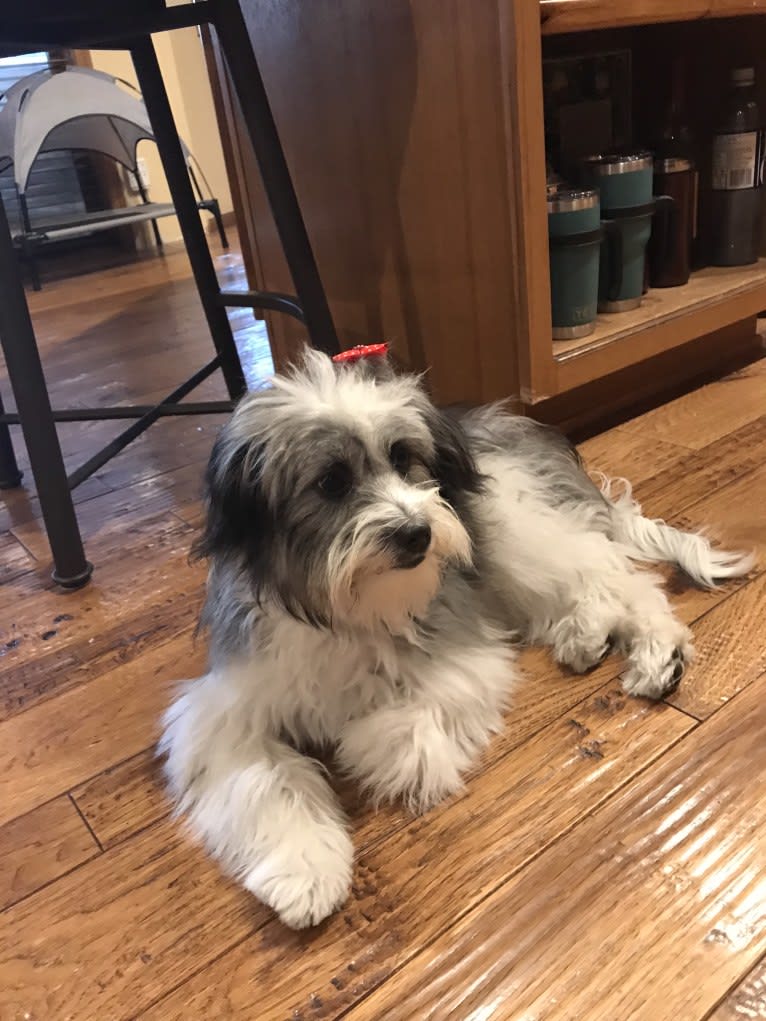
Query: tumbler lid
x=672 y=165
x=567 y=200
x=619 y=163
x=743 y=76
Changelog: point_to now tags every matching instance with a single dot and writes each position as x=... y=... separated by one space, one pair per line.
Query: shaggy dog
x=372 y=560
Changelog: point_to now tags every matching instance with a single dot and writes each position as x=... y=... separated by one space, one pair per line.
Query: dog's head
x=341 y=492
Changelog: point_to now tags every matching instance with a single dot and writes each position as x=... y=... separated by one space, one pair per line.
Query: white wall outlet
x=132 y=180
x=143 y=172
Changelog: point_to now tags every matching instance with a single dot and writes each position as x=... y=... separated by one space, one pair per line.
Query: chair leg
x=25 y=371
x=246 y=76
x=157 y=105
x=27 y=254
x=215 y=209
x=145 y=199
x=10 y=476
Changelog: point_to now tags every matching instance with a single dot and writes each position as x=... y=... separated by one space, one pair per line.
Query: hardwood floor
x=606 y=862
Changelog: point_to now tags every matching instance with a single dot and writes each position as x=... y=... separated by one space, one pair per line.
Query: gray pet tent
x=78 y=108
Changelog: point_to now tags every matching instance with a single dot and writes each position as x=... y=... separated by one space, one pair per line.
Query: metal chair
x=128 y=24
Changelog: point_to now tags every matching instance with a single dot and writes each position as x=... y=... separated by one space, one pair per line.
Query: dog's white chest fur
x=312 y=682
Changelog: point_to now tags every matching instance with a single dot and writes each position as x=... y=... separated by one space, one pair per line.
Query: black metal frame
x=145 y=199
x=27 y=245
x=132 y=29
x=17 y=337
x=33 y=237
x=10 y=476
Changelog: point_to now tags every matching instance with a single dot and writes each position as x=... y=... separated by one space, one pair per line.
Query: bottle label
x=737 y=161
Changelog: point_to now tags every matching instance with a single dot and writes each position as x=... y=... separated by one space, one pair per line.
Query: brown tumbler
x=669 y=251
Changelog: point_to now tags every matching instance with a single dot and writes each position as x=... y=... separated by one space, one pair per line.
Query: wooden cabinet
x=414 y=130
x=719 y=306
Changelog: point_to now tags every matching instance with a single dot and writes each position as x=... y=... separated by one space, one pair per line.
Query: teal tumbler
x=574 y=240
x=627 y=205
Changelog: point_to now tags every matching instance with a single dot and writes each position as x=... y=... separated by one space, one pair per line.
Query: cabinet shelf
x=559 y=16
x=714 y=298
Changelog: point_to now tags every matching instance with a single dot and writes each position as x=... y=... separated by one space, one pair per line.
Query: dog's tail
x=651 y=539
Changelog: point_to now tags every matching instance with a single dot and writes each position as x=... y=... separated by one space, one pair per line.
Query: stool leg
x=10 y=476
x=215 y=209
x=157 y=104
x=25 y=371
x=246 y=76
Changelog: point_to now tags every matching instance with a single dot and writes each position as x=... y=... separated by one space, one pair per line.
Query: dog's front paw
x=582 y=655
x=656 y=667
x=304 y=884
x=404 y=754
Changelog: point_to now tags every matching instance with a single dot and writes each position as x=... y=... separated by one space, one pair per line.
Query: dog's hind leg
x=265 y=811
x=658 y=646
x=626 y=610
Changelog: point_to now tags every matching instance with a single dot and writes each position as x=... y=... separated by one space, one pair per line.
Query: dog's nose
x=414 y=539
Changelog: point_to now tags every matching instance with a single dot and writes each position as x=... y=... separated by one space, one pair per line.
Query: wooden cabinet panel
x=581 y=15
x=559 y=16
x=393 y=121
x=414 y=132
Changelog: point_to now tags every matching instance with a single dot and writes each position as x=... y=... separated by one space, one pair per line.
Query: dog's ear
x=454 y=467
x=236 y=519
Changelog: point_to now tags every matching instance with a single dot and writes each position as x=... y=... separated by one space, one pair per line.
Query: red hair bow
x=362 y=351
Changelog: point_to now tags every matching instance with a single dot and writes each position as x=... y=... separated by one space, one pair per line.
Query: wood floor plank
x=135 y=541
x=40 y=847
x=62 y=742
x=19 y=506
x=734 y=514
x=408 y=887
x=143 y=592
x=702 y=472
x=705 y=415
x=124 y=799
x=723 y=508
x=106 y=940
x=15 y=560
x=668 y=874
x=730 y=517
x=731 y=652
x=631 y=455
x=79 y=659
x=747 y=1001
x=191 y=512
x=175 y=444
x=160 y=493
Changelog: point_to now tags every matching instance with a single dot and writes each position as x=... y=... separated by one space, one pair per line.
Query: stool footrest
x=273 y=301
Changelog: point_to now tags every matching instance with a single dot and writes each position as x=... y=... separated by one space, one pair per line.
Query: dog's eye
x=400 y=457
x=336 y=481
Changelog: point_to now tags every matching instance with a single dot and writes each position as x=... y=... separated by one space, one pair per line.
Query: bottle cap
x=743 y=76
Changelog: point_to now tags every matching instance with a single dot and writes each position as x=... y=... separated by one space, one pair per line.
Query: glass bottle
x=737 y=179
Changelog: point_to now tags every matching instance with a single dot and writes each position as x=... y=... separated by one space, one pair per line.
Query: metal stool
x=128 y=24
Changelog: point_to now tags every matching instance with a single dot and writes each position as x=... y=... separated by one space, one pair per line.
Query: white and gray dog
x=372 y=561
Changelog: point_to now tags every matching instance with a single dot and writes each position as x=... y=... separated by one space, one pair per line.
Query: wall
x=183 y=68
